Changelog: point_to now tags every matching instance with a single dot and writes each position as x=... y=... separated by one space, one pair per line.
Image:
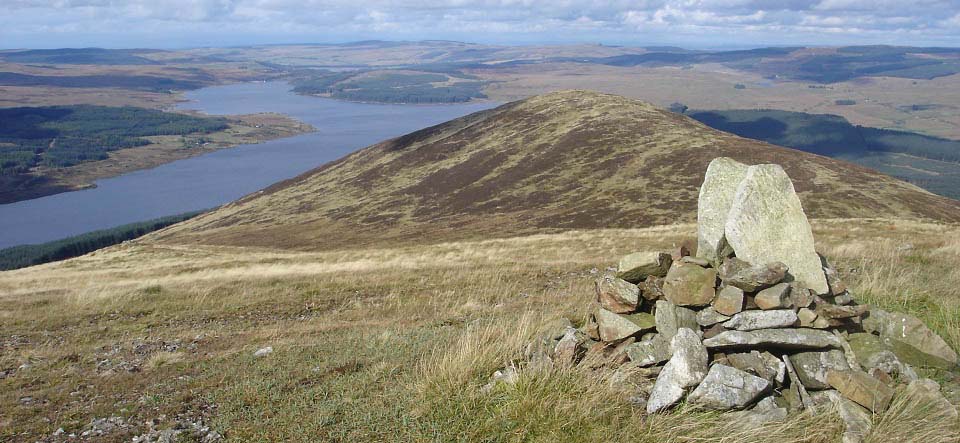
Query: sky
x=688 y=23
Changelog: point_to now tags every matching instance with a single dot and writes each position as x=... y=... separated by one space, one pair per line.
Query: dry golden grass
x=392 y=344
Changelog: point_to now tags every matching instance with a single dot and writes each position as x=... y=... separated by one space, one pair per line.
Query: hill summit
x=559 y=161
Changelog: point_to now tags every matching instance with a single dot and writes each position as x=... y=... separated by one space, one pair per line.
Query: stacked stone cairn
x=757 y=322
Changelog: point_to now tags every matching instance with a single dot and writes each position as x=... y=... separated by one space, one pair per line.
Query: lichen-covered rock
x=690 y=285
x=750 y=278
x=636 y=267
x=686 y=368
x=709 y=316
x=726 y=388
x=729 y=300
x=861 y=388
x=650 y=352
x=617 y=295
x=670 y=318
x=753 y=320
x=775 y=297
x=767 y=224
x=615 y=327
x=812 y=367
x=911 y=340
x=720 y=184
x=569 y=348
x=787 y=338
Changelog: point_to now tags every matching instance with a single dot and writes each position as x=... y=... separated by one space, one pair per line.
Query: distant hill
x=79 y=56
x=560 y=161
x=932 y=163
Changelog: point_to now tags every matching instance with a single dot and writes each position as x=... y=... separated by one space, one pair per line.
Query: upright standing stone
x=716 y=195
x=767 y=224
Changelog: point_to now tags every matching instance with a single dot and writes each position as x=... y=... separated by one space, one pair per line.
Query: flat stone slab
x=615 y=327
x=787 y=338
x=812 y=367
x=726 y=388
x=912 y=340
x=861 y=388
x=767 y=224
x=713 y=205
x=753 y=320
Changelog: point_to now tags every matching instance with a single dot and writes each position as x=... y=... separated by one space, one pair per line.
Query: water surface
x=216 y=178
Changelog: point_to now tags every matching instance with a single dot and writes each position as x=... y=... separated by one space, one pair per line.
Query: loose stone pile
x=757 y=321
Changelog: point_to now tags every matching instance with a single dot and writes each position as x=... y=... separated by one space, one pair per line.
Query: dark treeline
x=60 y=136
x=29 y=255
x=389 y=87
x=824 y=134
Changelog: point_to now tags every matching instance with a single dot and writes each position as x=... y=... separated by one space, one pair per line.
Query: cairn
x=757 y=322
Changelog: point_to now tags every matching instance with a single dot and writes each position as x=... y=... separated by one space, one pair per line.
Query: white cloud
x=71 y=22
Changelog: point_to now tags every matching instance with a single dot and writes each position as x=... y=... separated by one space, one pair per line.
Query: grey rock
x=617 y=295
x=775 y=297
x=812 y=367
x=636 y=267
x=702 y=262
x=787 y=338
x=507 y=376
x=762 y=364
x=686 y=368
x=767 y=224
x=726 y=388
x=263 y=352
x=729 y=300
x=750 y=278
x=800 y=295
x=690 y=285
x=670 y=318
x=709 y=316
x=753 y=320
x=720 y=183
x=649 y=352
x=908 y=335
x=766 y=411
x=927 y=393
x=857 y=420
x=569 y=349
x=613 y=326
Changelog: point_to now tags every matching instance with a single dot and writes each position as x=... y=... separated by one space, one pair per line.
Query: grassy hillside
x=930 y=162
x=390 y=344
x=565 y=160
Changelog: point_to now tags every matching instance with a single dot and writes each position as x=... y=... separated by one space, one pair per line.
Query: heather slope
x=565 y=160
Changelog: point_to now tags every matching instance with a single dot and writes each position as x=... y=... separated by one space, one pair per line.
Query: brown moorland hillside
x=560 y=161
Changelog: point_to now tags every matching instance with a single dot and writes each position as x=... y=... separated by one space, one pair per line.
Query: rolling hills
x=560 y=161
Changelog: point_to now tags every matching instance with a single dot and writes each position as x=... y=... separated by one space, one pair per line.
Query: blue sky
x=689 y=23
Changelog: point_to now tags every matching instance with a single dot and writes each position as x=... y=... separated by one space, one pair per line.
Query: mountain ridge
x=565 y=160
